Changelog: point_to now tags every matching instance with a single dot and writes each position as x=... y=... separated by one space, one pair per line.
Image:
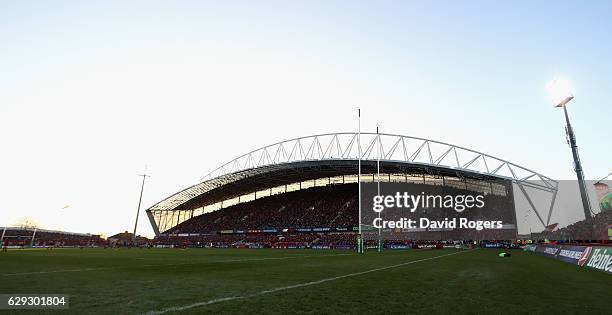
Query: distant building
x=126 y=238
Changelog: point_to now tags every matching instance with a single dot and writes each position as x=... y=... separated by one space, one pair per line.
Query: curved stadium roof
x=335 y=154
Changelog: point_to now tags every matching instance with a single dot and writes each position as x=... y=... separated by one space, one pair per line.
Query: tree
x=26 y=222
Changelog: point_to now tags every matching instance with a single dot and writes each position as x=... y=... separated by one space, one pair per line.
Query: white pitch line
x=300 y=285
x=52 y=271
x=168 y=265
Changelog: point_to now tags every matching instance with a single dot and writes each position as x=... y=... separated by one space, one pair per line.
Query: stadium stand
x=313 y=207
x=315 y=217
x=580 y=231
x=18 y=236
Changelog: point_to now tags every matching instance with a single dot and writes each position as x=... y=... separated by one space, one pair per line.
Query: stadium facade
x=333 y=159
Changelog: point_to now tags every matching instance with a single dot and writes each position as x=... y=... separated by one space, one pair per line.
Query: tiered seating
x=23 y=237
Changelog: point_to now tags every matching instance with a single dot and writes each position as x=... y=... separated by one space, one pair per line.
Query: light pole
x=379 y=245
x=144 y=176
x=577 y=165
x=360 y=237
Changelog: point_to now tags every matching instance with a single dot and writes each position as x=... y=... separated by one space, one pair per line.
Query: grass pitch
x=219 y=281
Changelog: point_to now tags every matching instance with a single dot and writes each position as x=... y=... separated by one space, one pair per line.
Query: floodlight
x=560 y=91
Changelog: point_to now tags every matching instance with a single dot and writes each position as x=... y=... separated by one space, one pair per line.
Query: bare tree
x=26 y=222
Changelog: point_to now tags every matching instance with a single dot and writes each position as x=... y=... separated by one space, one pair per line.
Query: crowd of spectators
x=344 y=240
x=582 y=230
x=331 y=206
x=238 y=240
x=336 y=206
x=47 y=238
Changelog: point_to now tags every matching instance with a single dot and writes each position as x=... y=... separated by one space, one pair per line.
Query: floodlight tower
x=379 y=245
x=360 y=237
x=577 y=165
x=144 y=177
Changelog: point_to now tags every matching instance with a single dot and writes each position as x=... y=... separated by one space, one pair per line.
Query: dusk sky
x=91 y=92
